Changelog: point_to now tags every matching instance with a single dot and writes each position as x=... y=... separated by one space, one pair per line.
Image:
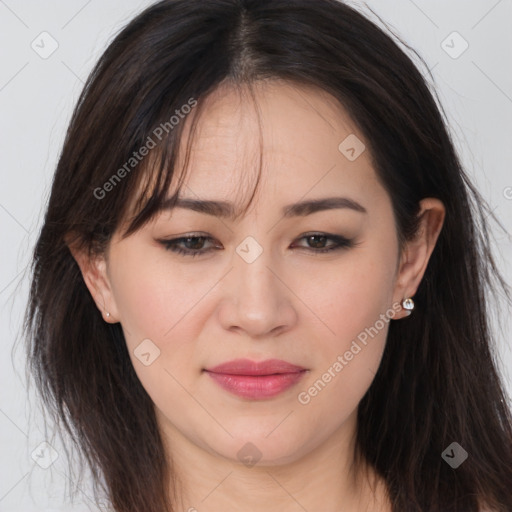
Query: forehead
x=289 y=131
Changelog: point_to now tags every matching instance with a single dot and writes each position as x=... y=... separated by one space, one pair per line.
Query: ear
x=95 y=274
x=416 y=253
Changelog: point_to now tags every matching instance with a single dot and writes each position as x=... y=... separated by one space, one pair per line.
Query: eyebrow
x=225 y=209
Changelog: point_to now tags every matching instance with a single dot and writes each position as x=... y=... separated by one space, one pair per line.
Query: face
x=313 y=288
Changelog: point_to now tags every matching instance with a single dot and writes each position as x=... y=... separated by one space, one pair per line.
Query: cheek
x=150 y=295
x=139 y=294
x=353 y=297
x=356 y=308
x=153 y=306
x=158 y=304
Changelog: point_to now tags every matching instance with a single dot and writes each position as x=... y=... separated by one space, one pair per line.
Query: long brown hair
x=437 y=383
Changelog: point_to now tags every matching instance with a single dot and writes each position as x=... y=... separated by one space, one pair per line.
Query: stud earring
x=108 y=314
x=408 y=304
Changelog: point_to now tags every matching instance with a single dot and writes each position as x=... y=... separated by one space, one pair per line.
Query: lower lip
x=256 y=387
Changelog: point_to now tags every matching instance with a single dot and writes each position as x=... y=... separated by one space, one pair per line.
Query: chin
x=251 y=449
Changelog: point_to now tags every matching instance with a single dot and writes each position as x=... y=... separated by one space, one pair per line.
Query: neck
x=325 y=478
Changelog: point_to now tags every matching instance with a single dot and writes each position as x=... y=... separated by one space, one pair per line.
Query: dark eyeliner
x=340 y=242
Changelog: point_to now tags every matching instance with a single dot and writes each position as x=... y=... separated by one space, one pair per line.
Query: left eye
x=194 y=245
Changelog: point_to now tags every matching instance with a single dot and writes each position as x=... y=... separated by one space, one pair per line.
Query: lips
x=248 y=367
x=256 y=380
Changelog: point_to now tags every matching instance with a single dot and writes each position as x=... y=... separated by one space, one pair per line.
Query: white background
x=36 y=98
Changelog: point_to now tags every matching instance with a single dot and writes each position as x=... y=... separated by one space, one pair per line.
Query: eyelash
x=339 y=241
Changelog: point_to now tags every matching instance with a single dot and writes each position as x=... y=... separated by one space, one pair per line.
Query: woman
x=260 y=280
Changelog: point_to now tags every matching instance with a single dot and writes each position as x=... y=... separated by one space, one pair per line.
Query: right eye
x=188 y=245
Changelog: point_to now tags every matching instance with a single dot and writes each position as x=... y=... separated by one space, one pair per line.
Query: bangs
x=166 y=166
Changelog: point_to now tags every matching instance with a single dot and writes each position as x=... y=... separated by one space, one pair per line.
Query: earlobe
x=95 y=276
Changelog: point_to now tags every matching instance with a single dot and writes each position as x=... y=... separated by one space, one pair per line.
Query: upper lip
x=248 y=367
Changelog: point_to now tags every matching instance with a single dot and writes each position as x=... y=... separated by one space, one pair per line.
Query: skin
x=290 y=304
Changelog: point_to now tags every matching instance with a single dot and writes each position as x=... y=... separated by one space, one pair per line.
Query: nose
x=256 y=300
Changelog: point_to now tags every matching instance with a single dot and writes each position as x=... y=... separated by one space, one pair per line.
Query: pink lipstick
x=256 y=380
